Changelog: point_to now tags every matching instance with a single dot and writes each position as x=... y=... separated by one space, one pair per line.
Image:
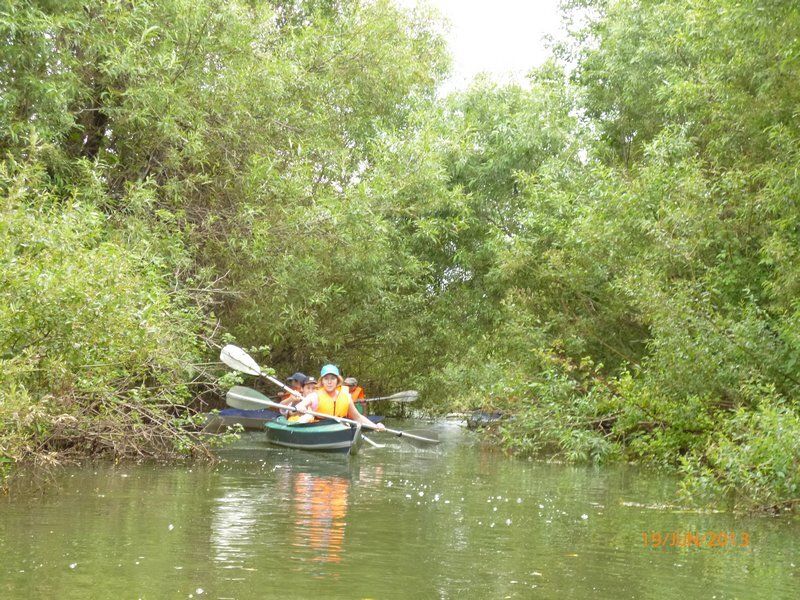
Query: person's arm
x=293 y=401
x=306 y=403
x=352 y=413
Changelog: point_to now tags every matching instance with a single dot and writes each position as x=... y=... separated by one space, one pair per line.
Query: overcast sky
x=501 y=37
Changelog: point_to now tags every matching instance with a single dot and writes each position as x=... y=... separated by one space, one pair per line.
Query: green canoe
x=322 y=436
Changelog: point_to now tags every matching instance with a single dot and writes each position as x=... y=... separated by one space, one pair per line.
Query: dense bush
x=752 y=458
x=175 y=170
x=654 y=268
x=97 y=348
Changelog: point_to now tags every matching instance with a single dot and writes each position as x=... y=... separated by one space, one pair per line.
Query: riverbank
x=33 y=438
x=745 y=459
x=753 y=479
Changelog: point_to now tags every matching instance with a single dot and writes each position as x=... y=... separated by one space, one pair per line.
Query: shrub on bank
x=753 y=459
x=96 y=342
x=746 y=455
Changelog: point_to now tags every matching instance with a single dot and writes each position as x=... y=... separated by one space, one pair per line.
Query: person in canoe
x=309 y=387
x=296 y=382
x=331 y=398
x=357 y=394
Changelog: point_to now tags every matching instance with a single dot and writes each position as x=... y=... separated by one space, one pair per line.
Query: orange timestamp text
x=693 y=539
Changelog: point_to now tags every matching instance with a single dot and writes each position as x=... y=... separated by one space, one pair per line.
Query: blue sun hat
x=330 y=370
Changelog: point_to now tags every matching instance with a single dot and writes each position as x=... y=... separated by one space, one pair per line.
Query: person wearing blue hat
x=296 y=381
x=331 y=399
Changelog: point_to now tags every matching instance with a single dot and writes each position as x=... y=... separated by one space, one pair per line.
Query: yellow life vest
x=337 y=405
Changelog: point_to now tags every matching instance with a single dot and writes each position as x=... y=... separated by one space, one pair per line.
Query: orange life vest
x=337 y=405
x=357 y=394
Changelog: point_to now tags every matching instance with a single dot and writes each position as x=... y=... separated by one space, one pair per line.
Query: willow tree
x=673 y=264
x=176 y=169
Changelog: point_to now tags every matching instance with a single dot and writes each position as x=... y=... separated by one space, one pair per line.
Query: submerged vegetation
x=609 y=252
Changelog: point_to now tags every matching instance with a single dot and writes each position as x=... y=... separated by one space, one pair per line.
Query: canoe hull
x=323 y=436
x=252 y=420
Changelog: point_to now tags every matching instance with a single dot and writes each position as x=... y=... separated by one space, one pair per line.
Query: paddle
x=407 y=396
x=246 y=392
x=238 y=359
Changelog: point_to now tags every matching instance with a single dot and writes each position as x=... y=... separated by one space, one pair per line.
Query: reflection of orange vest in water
x=321 y=518
x=336 y=405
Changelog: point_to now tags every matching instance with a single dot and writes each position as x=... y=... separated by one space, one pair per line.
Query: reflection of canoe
x=324 y=436
x=254 y=420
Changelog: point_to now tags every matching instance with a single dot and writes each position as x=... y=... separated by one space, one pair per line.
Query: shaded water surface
x=457 y=522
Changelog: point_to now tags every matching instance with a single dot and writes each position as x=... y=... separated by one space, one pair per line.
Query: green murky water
x=457 y=522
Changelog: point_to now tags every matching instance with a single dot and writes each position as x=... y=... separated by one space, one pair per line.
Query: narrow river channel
x=456 y=522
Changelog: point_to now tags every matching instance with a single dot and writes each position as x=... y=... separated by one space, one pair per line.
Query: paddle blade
x=407 y=396
x=246 y=398
x=371 y=443
x=239 y=360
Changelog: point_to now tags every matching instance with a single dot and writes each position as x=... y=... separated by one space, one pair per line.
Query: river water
x=460 y=521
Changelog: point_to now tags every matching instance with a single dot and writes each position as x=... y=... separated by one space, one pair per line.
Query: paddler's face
x=308 y=388
x=329 y=382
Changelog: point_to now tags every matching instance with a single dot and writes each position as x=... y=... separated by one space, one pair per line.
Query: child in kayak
x=297 y=382
x=309 y=387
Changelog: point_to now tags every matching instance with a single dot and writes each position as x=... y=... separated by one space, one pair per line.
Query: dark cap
x=298 y=377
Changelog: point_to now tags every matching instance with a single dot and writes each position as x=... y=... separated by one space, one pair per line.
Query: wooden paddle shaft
x=281 y=384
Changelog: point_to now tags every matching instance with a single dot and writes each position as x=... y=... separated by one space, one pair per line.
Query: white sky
x=500 y=37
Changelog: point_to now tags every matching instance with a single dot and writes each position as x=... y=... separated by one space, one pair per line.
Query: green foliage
x=174 y=164
x=752 y=458
x=560 y=417
x=87 y=326
x=662 y=251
